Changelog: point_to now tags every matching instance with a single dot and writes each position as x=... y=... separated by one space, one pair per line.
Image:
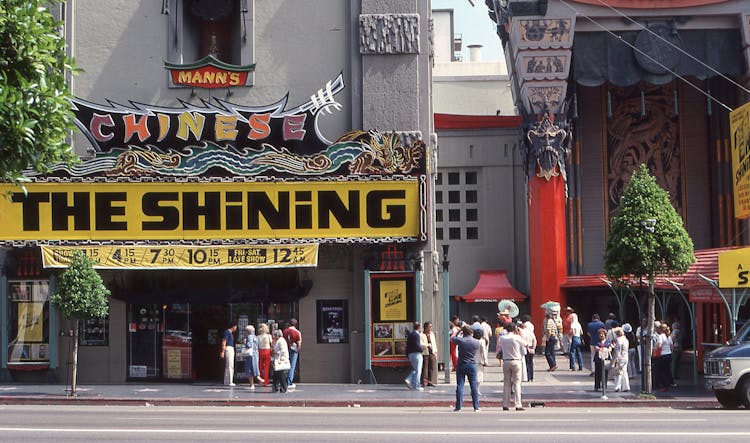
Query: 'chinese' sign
x=739 y=130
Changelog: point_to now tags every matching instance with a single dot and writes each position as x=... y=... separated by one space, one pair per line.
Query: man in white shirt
x=514 y=349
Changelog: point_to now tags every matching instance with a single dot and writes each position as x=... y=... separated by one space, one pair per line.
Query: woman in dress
x=251 y=362
x=575 y=332
x=602 y=350
x=281 y=363
x=620 y=361
x=264 y=352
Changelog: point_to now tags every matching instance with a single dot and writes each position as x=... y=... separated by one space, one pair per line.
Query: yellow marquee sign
x=734 y=268
x=186 y=257
x=199 y=211
x=739 y=130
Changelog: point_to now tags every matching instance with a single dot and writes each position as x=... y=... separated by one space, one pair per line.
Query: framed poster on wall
x=333 y=324
x=393 y=311
x=28 y=326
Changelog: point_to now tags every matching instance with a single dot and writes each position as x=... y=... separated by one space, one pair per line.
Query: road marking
x=504 y=432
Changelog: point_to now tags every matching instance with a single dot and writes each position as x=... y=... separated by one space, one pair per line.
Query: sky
x=475 y=25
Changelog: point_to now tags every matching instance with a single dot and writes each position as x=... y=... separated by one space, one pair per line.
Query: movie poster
x=332 y=321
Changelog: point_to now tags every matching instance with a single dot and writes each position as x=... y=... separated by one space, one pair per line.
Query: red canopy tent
x=493 y=286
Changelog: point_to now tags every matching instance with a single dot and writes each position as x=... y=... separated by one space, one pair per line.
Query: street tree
x=647 y=239
x=80 y=294
x=35 y=110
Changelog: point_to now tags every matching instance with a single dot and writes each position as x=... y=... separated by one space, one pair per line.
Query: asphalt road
x=142 y=424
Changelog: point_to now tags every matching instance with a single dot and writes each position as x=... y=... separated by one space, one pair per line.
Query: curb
x=533 y=403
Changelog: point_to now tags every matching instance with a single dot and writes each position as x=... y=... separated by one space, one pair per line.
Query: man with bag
x=293 y=337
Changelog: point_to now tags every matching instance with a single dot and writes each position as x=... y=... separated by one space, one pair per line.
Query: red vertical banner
x=547 y=249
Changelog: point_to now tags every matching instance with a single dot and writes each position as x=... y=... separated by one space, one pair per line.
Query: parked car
x=726 y=370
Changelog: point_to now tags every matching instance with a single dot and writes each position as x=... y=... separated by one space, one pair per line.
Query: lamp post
x=446 y=316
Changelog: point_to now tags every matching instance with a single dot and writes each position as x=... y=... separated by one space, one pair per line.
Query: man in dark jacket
x=414 y=351
x=467 y=366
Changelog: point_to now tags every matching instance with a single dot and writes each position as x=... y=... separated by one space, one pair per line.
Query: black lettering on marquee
x=394 y=216
x=104 y=211
x=258 y=203
x=191 y=211
x=329 y=203
x=303 y=210
x=170 y=215
x=232 y=212
x=80 y=211
x=30 y=207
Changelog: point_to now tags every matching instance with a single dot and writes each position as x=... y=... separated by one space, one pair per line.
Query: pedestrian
x=527 y=333
x=641 y=336
x=281 y=363
x=514 y=349
x=264 y=353
x=662 y=358
x=251 y=357
x=481 y=359
x=293 y=337
x=676 y=336
x=602 y=354
x=611 y=321
x=429 y=356
x=592 y=331
x=552 y=338
x=414 y=351
x=467 y=350
x=487 y=335
x=227 y=353
x=575 y=332
x=456 y=324
x=632 y=353
x=565 y=336
x=620 y=361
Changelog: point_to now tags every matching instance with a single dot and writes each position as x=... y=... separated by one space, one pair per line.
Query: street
x=130 y=424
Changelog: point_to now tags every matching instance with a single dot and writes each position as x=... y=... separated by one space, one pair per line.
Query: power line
x=618 y=37
x=692 y=57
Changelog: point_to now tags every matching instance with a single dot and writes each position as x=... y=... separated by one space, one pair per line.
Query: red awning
x=492 y=287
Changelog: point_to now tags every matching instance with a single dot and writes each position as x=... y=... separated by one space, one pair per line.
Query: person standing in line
x=227 y=353
x=414 y=351
x=528 y=335
x=620 y=361
x=487 y=335
x=676 y=336
x=552 y=336
x=641 y=335
x=429 y=356
x=514 y=349
x=456 y=324
x=592 y=331
x=467 y=351
x=630 y=336
x=602 y=352
x=281 y=363
x=293 y=337
x=565 y=336
x=251 y=362
x=481 y=361
x=575 y=331
x=264 y=352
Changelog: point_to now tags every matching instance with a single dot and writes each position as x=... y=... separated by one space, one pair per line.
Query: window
x=454 y=197
x=439 y=179
x=439 y=197
x=472 y=233
x=454 y=233
x=454 y=215
x=454 y=178
x=222 y=28
x=461 y=207
x=439 y=215
x=471 y=196
x=471 y=178
x=439 y=233
x=471 y=214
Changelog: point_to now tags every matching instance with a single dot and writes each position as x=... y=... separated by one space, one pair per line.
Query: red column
x=547 y=254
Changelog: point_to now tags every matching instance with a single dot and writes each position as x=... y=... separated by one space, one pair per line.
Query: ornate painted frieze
x=543 y=65
x=389 y=34
x=546 y=33
x=543 y=97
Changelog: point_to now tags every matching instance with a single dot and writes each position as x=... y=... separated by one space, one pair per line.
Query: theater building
x=603 y=87
x=244 y=161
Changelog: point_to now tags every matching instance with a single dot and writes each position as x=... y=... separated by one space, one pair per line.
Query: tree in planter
x=36 y=114
x=80 y=294
x=647 y=238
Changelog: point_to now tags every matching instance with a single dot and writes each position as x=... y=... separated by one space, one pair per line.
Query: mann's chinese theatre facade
x=223 y=179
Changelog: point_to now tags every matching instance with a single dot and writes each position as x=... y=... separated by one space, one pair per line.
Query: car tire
x=744 y=393
x=728 y=399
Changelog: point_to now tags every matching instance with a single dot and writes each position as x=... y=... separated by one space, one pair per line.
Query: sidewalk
x=561 y=388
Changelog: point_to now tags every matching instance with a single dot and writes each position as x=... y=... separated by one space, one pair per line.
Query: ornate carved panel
x=547 y=33
x=543 y=65
x=389 y=34
x=653 y=139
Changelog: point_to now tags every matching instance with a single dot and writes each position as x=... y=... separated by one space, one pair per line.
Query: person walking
x=514 y=348
x=467 y=350
x=620 y=361
x=293 y=337
x=251 y=358
x=264 y=353
x=429 y=356
x=414 y=352
x=592 y=331
x=227 y=353
x=552 y=338
x=281 y=363
x=575 y=332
